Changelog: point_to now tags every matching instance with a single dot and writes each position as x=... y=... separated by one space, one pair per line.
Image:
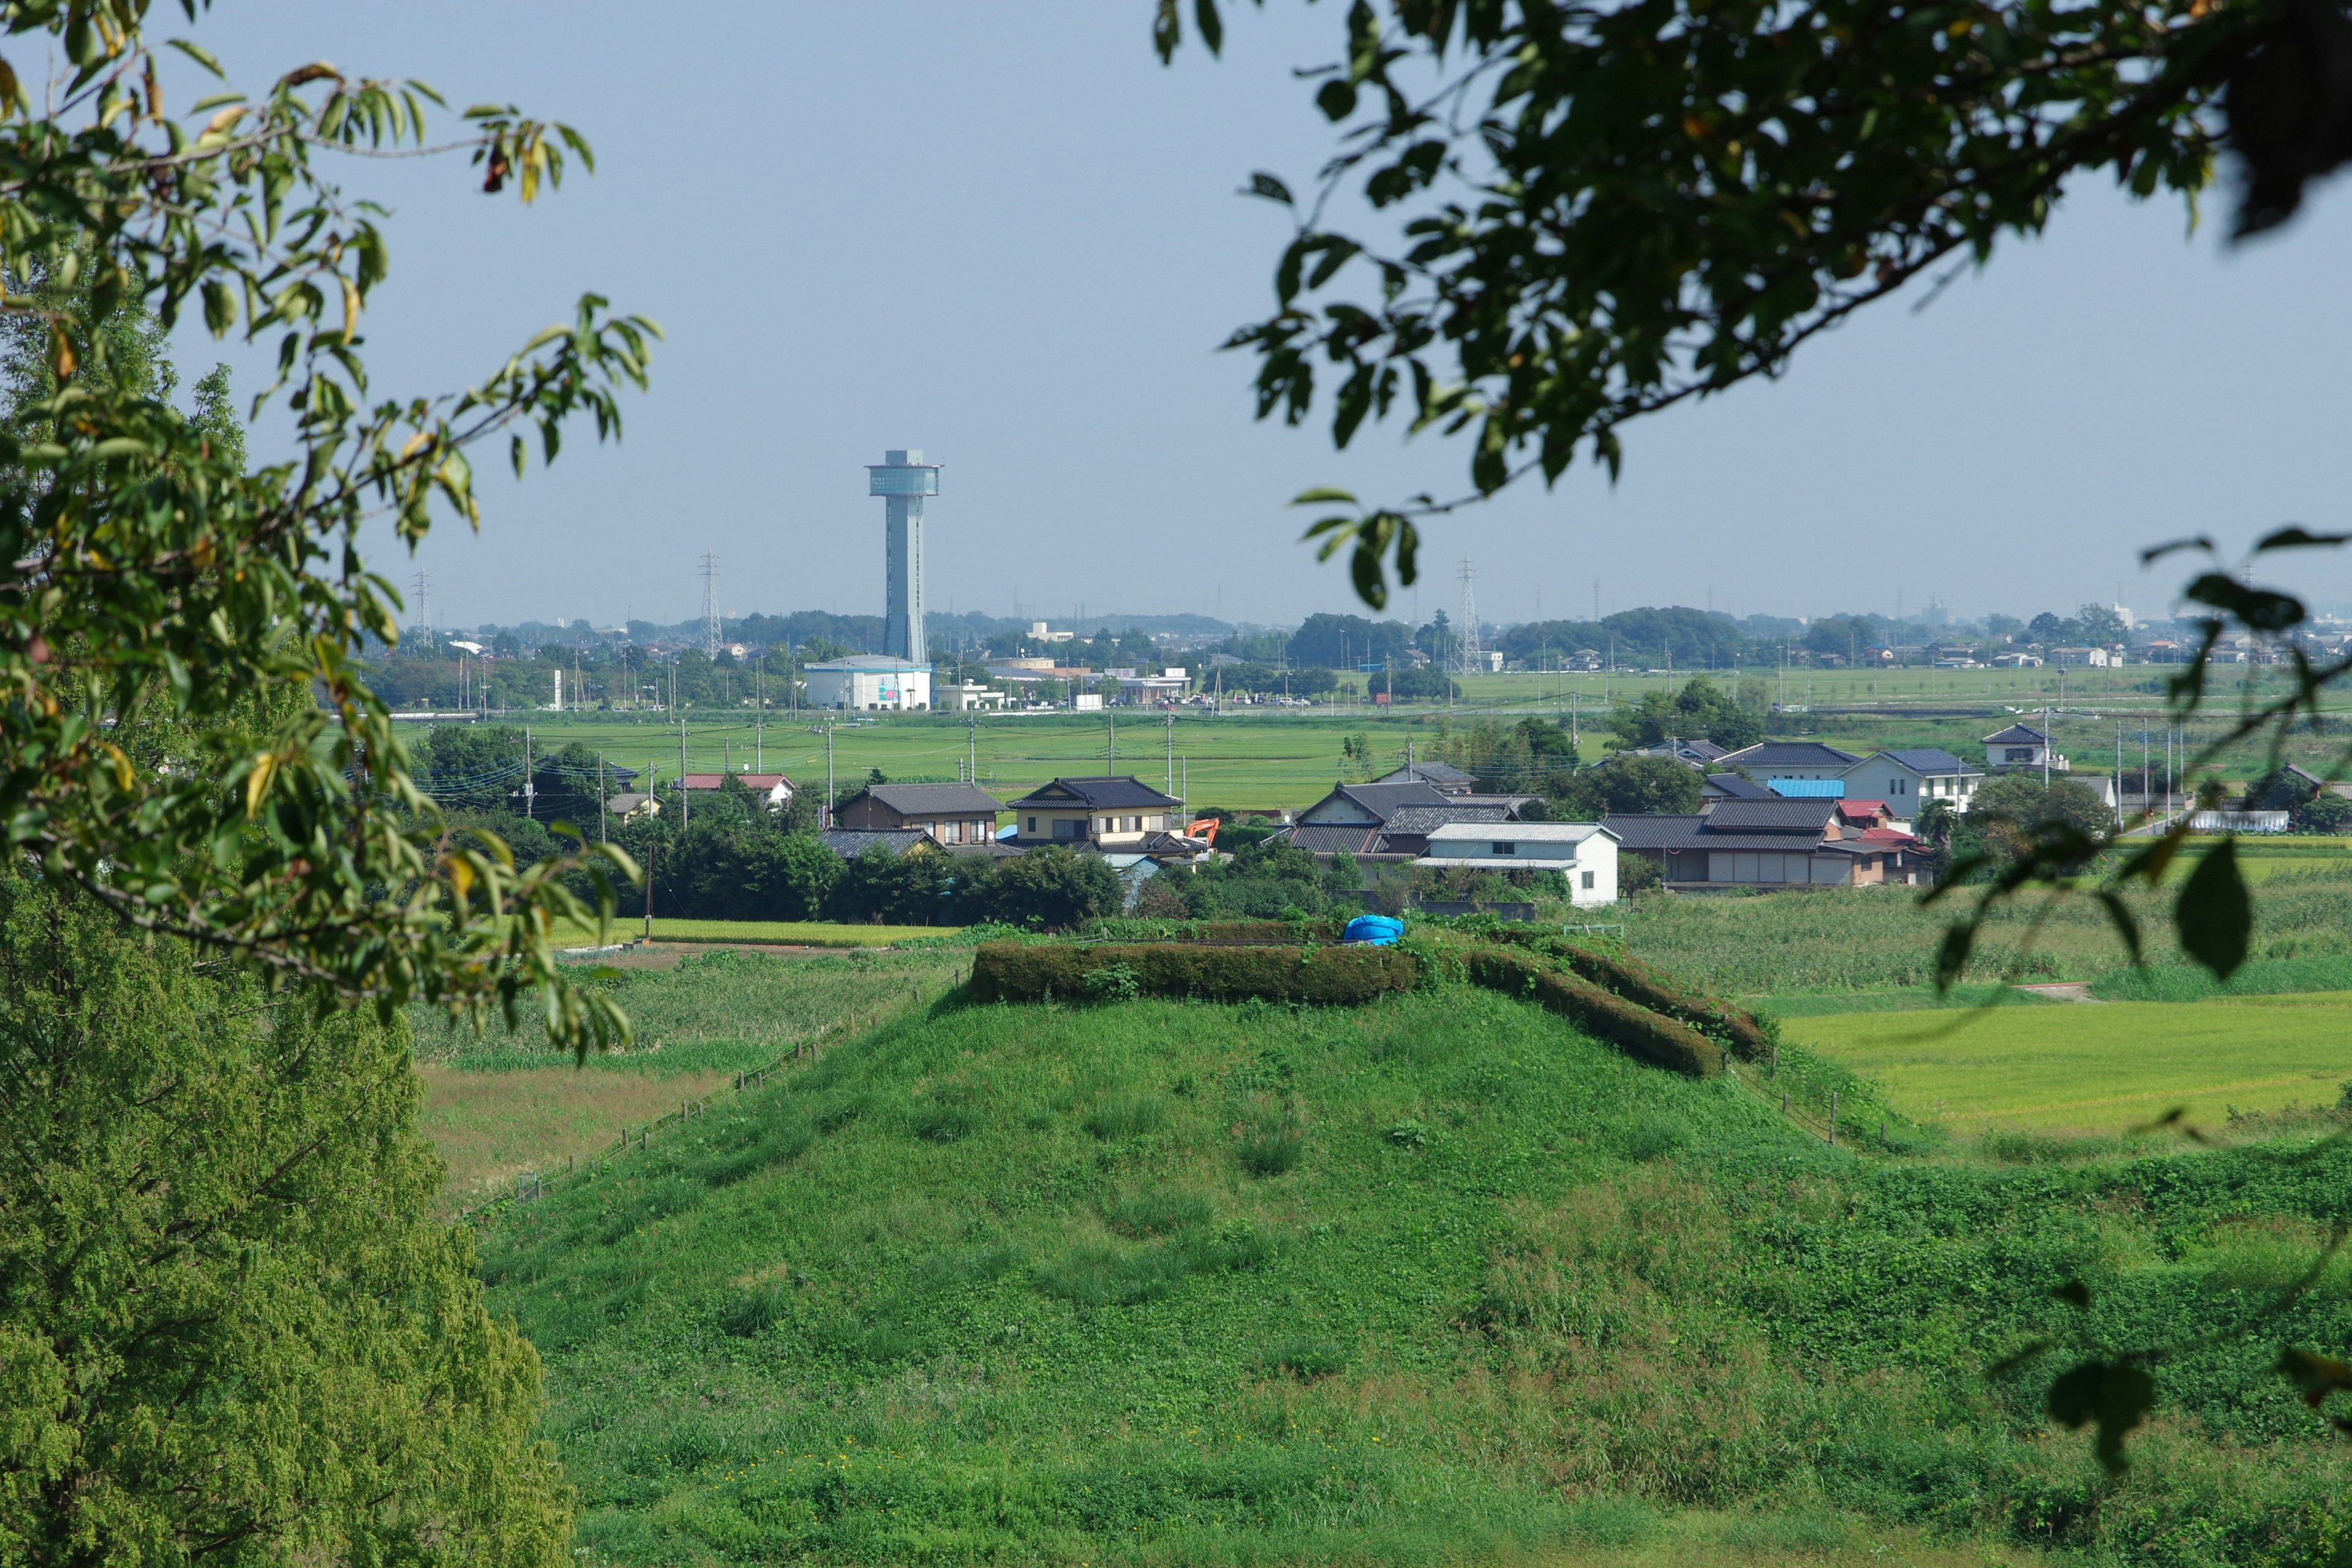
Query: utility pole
x=601 y=832
x=972 y=746
x=684 y=802
x=528 y=791
x=1171 y=753
x=649 y=889
x=1110 y=743
x=828 y=775
x=759 y=714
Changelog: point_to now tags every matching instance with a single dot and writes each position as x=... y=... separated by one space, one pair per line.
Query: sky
x=1007 y=235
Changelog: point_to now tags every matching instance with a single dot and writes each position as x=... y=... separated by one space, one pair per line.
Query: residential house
x=772 y=790
x=2015 y=661
x=952 y=814
x=1733 y=786
x=1442 y=777
x=1583 y=852
x=1764 y=843
x=1908 y=779
x=2018 y=747
x=632 y=805
x=2082 y=657
x=1700 y=754
x=1105 y=812
x=1391 y=820
x=1770 y=762
x=868 y=682
x=849 y=842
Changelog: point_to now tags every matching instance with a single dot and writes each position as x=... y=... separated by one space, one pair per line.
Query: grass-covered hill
x=1434 y=1280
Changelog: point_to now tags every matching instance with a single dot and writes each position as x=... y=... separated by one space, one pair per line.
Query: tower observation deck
x=902 y=478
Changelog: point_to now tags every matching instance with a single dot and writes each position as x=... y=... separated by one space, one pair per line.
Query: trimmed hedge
x=1638 y=1032
x=1342 y=976
x=1738 y=1028
x=1214 y=933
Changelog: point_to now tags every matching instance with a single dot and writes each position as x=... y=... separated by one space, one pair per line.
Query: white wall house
x=868 y=683
x=1907 y=780
x=1585 y=852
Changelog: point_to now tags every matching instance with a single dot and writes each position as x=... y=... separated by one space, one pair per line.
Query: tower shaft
x=902 y=626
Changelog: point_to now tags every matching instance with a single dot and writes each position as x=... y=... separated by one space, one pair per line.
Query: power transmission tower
x=1473 y=652
x=710 y=630
x=421 y=623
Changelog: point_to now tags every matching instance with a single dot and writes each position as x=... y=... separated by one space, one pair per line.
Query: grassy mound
x=1434 y=1280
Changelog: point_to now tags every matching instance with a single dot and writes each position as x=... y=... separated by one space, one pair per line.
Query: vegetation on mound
x=1178 y=1282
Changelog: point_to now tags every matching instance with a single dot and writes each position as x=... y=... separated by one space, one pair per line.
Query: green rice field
x=796 y=933
x=2099 y=1067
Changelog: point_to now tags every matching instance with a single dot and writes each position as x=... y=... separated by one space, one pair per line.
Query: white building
x=869 y=682
x=2083 y=658
x=1585 y=852
x=1908 y=779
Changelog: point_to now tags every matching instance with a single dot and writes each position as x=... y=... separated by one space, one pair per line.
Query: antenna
x=710 y=628
x=1473 y=652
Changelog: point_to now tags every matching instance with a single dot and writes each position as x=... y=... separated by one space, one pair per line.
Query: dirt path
x=2067 y=991
x=668 y=954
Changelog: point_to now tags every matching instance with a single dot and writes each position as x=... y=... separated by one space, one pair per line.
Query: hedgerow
x=1006 y=971
x=1652 y=1037
x=1216 y=933
x=1740 y=1030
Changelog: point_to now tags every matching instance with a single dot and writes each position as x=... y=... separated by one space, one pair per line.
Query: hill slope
x=1434 y=1280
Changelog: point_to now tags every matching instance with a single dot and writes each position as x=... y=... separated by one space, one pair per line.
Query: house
x=1442 y=777
x=951 y=813
x=632 y=806
x=1105 y=812
x=1732 y=786
x=849 y=842
x=1584 y=852
x=1763 y=843
x=1772 y=760
x=1136 y=688
x=1700 y=754
x=868 y=682
x=2021 y=746
x=2015 y=661
x=1908 y=779
x=1393 y=819
x=774 y=790
x=2080 y=658
x=971 y=695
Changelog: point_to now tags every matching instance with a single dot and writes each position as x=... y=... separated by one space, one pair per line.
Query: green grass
x=2190 y=983
x=2097 y=1068
x=1920 y=999
x=797 y=933
x=1009 y=1284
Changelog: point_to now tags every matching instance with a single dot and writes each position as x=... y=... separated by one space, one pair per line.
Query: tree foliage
x=231 y=1330
x=1602 y=211
x=157 y=589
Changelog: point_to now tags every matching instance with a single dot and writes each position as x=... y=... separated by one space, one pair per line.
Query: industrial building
x=869 y=683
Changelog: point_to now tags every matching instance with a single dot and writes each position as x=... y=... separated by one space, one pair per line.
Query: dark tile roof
x=1771 y=816
x=2018 y=735
x=1737 y=788
x=1334 y=837
x=994 y=849
x=1422 y=819
x=1791 y=754
x=849 y=842
x=1930 y=760
x=1095 y=791
x=935 y=799
x=1377 y=800
x=1508 y=802
x=1428 y=773
x=1648 y=831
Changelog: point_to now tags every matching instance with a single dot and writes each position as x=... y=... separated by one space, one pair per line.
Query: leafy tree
x=1404 y=685
x=2326 y=812
x=2047 y=629
x=1343 y=642
x=1630 y=787
x=1051 y=889
x=883 y=888
x=175 y=585
x=2005 y=629
x=231 y=1327
x=2011 y=812
x=2099 y=625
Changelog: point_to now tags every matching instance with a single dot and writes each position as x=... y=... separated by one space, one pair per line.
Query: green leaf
x=2114 y=1395
x=1266 y=186
x=1323 y=495
x=1212 y=25
x=1336 y=100
x=2214 y=916
x=198 y=53
x=2294 y=536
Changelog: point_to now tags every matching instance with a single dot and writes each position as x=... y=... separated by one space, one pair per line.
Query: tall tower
x=903 y=479
x=1466 y=636
x=712 y=632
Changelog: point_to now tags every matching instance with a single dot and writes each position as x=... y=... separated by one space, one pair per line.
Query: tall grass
x=1577 y=1297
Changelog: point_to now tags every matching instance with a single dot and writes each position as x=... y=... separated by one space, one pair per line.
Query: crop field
x=2099 y=1067
x=491 y=1127
x=794 y=933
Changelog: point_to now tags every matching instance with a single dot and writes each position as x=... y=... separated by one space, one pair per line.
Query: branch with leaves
x=185 y=733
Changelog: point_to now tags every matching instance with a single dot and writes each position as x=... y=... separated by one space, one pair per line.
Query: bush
x=1214 y=933
x=1651 y=1036
x=1048 y=889
x=1115 y=984
x=1637 y=983
x=1337 y=977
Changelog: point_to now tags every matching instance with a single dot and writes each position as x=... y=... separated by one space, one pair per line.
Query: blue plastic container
x=1378 y=931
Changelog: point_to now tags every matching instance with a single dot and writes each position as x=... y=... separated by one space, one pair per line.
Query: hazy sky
x=1005 y=235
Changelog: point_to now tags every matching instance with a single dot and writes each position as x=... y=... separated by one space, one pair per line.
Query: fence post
x=1774 y=1070
x=1833 y=1094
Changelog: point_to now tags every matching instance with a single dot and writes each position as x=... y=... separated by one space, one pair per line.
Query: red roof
x=1862 y=808
x=761 y=782
x=1894 y=838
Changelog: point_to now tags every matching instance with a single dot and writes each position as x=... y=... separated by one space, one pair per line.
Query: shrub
x=1214 y=933
x=1115 y=984
x=1340 y=976
x=1651 y=1036
x=1637 y=983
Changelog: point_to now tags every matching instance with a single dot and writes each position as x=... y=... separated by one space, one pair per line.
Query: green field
x=798 y=933
x=2099 y=1067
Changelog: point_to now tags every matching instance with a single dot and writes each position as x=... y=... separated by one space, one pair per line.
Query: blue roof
x=1809 y=789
